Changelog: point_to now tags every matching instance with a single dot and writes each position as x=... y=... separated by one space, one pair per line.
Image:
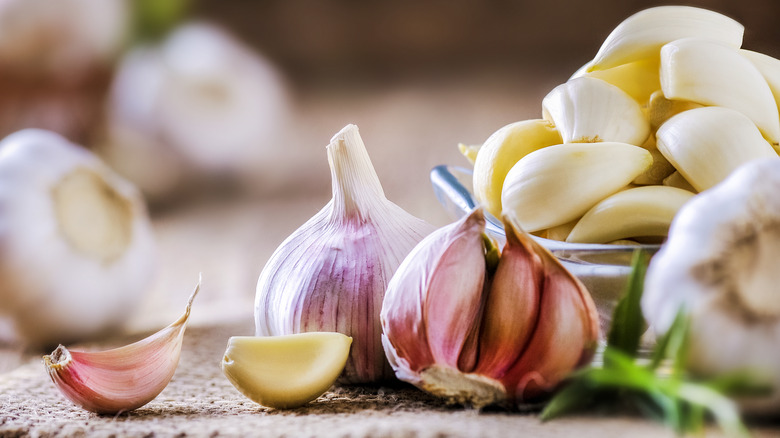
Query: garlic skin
x=201 y=105
x=718 y=266
x=124 y=378
x=331 y=274
x=461 y=328
x=76 y=245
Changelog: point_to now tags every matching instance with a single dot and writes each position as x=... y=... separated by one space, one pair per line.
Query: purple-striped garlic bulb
x=331 y=273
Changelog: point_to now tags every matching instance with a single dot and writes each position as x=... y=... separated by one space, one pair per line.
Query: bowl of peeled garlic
x=603 y=268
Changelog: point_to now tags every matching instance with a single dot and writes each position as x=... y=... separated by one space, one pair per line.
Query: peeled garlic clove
x=710 y=73
x=122 y=379
x=660 y=169
x=501 y=151
x=639 y=79
x=535 y=322
x=719 y=267
x=285 y=371
x=706 y=144
x=587 y=110
x=641 y=35
x=769 y=68
x=78 y=249
x=558 y=184
x=638 y=212
x=331 y=273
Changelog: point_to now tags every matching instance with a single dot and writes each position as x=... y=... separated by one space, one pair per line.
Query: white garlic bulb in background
x=64 y=38
x=76 y=244
x=199 y=105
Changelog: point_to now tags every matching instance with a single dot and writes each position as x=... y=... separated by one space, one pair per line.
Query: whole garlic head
x=719 y=265
x=76 y=245
x=199 y=105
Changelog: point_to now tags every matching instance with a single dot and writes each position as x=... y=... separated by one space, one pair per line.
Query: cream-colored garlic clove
x=660 y=169
x=332 y=272
x=660 y=109
x=638 y=212
x=641 y=35
x=587 y=110
x=469 y=151
x=285 y=371
x=121 y=379
x=711 y=73
x=639 y=79
x=706 y=144
x=501 y=151
x=769 y=68
x=558 y=184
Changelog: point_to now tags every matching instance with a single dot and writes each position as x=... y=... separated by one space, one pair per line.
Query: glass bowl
x=602 y=268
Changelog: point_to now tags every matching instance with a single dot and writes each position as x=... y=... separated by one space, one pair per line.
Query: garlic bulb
x=199 y=105
x=331 y=273
x=124 y=378
x=719 y=266
x=461 y=327
x=77 y=249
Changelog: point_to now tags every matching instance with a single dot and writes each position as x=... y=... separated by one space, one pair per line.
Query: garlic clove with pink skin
x=513 y=338
x=120 y=379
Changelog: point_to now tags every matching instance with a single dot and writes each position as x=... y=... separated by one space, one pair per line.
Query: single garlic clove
x=558 y=184
x=710 y=73
x=769 y=68
x=587 y=110
x=638 y=212
x=639 y=79
x=285 y=371
x=501 y=151
x=121 y=379
x=641 y=35
x=567 y=331
x=706 y=144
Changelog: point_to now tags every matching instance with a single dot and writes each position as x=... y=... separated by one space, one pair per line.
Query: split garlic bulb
x=200 y=105
x=465 y=324
x=331 y=273
x=76 y=245
x=719 y=265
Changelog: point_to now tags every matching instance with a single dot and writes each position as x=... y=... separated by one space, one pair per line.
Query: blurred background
x=220 y=110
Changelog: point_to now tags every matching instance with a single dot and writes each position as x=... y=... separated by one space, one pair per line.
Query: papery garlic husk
x=285 y=371
x=501 y=151
x=706 y=144
x=710 y=73
x=557 y=184
x=121 y=379
x=587 y=110
x=719 y=267
x=461 y=327
x=638 y=212
x=77 y=250
x=639 y=79
x=331 y=273
x=641 y=35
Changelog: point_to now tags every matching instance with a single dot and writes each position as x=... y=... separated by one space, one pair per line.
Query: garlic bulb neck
x=356 y=186
x=93 y=217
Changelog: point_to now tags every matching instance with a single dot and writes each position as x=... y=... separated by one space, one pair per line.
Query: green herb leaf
x=628 y=324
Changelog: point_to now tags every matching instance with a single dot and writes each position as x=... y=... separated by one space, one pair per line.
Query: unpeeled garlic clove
x=526 y=322
x=285 y=371
x=641 y=35
x=710 y=73
x=558 y=184
x=587 y=110
x=638 y=212
x=706 y=144
x=121 y=379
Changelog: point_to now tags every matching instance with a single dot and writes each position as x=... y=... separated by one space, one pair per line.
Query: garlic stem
x=355 y=184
